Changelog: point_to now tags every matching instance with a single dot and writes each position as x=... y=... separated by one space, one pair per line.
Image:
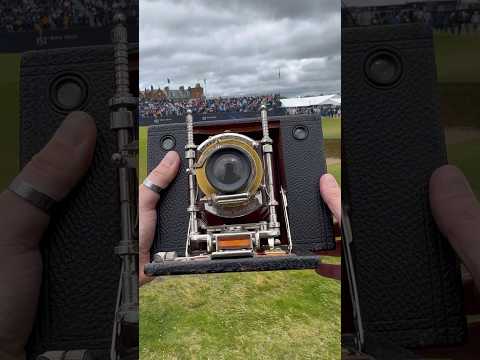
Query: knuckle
x=45 y=164
x=159 y=173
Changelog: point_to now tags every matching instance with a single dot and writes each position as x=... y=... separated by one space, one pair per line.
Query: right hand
x=457 y=214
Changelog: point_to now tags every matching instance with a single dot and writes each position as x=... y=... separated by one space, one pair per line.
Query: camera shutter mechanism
x=228 y=163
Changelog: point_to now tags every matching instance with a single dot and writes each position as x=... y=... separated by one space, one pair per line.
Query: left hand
x=54 y=171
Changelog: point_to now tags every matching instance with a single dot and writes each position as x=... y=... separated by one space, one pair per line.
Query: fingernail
x=329 y=180
x=170 y=158
x=76 y=128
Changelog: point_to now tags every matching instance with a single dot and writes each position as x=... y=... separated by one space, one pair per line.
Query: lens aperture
x=228 y=170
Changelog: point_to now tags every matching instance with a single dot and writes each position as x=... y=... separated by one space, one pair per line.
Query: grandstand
x=453 y=16
x=153 y=109
x=31 y=15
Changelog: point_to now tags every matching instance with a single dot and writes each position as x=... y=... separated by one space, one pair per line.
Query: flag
x=168 y=80
x=279 y=73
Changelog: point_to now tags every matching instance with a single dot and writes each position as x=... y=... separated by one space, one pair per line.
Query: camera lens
x=68 y=92
x=383 y=68
x=228 y=170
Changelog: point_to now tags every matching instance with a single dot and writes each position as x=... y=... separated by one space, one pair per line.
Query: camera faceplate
x=245 y=199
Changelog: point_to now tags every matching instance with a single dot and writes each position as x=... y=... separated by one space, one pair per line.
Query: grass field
x=457 y=58
x=332 y=128
x=271 y=315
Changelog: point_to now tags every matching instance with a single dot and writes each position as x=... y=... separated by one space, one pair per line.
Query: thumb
x=54 y=171
x=457 y=214
x=332 y=195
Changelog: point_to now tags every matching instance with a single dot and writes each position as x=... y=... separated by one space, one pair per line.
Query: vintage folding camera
x=93 y=229
x=247 y=196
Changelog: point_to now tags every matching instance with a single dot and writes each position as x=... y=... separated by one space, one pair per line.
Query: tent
x=332 y=99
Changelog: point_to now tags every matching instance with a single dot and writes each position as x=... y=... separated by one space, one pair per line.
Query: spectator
x=164 y=107
x=29 y=15
x=475 y=20
x=453 y=19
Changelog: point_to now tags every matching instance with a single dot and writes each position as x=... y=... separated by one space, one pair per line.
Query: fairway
x=270 y=315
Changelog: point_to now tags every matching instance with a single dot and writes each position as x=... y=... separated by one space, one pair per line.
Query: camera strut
x=267 y=150
x=125 y=329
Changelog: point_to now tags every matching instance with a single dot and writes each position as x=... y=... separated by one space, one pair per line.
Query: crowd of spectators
x=455 y=20
x=32 y=15
x=323 y=110
x=164 y=108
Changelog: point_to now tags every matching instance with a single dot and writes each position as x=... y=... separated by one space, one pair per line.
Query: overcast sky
x=239 y=46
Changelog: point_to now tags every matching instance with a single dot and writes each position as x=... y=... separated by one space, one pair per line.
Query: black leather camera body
x=233 y=237
x=408 y=278
x=81 y=271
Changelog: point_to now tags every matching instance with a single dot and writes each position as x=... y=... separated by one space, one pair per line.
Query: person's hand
x=332 y=195
x=54 y=171
x=161 y=176
x=457 y=214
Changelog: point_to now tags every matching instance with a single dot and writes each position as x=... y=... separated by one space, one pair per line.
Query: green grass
x=457 y=58
x=336 y=170
x=9 y=90
x=142 y=153
x=332 y=128
x=465 y=156
x=270 y=315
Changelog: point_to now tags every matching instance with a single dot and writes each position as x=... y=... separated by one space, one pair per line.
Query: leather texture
x=81 y=271
x=409 y=282
x=262 y=263
x=310 y=220
x=304 y=163
x=172 y=217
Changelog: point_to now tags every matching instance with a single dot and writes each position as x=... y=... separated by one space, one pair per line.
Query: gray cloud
x=239 y=46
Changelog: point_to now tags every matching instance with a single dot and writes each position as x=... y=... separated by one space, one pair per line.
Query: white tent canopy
x=333 y=99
